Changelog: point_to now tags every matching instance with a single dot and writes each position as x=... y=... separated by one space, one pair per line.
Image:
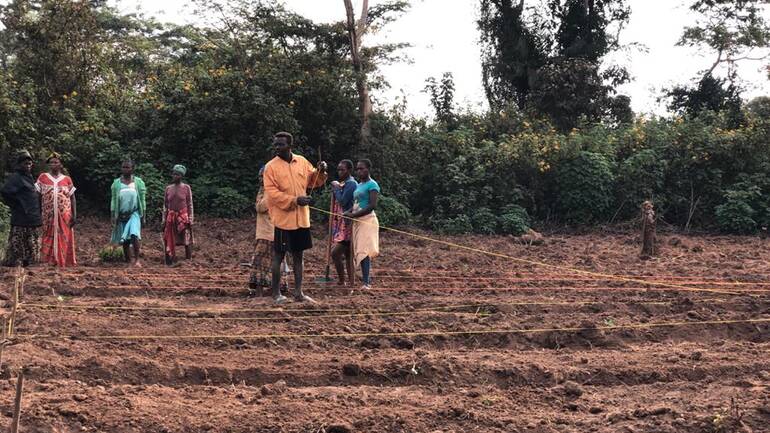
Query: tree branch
x=362 y=22
x=719 y=60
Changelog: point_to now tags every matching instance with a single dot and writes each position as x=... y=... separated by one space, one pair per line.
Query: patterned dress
x=58 y=237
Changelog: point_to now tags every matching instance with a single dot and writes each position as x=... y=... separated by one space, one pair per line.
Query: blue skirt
x=124 y=230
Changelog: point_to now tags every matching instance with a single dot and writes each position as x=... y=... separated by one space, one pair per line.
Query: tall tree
x=442 y=96
x=356 y=34
x=512 y=51
x=550 y=62
x=362 y=60
x=735 y=31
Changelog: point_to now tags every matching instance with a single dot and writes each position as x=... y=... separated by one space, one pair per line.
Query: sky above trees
x=444 y=38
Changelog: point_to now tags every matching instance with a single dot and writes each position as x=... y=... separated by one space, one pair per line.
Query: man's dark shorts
x=292 y=240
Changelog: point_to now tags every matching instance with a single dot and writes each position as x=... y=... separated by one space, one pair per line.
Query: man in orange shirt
x=287 y=180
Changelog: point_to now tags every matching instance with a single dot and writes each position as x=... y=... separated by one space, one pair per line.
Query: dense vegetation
x=558 y=145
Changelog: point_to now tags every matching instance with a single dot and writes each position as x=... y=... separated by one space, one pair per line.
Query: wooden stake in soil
x=648 y=231
x=17 y=403
x=15 y=300
x=3 y=343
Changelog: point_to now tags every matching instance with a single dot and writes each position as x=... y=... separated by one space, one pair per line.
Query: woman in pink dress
x=59 y=214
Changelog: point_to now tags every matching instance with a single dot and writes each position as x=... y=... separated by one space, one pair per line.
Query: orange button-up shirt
x=284 y=182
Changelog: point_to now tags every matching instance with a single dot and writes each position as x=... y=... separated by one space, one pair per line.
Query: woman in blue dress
x=127 y=208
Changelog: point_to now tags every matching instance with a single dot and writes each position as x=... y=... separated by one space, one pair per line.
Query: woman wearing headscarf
x=127 y=207
x=366 y=227
x=59 y=214
x=177 y=215
x=21 y=196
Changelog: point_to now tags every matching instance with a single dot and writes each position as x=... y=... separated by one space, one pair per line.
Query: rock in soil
x=339 y=428
x=351 y=370
x=572 y=389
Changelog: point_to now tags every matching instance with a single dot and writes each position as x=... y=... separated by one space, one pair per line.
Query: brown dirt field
x=430 y=367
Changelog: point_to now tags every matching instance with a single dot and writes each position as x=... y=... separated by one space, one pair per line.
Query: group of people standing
x=283 y=218
x=128 y=210
x=44 y=214
x=48 y=202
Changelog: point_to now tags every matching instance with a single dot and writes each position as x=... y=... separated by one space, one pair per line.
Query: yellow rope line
x=532 y=262
x=385 y=334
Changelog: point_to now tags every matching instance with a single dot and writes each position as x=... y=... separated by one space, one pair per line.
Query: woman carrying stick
x=342 y=228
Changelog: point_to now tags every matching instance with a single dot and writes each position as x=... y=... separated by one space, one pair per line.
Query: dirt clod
x=572 y=389
x=276 y=388
x=339 y=428
x=351 y=370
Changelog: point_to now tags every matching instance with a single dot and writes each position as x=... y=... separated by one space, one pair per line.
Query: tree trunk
x=356 y=33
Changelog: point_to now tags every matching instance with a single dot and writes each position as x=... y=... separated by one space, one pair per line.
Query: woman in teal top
x=366 y=227
x=127 y=207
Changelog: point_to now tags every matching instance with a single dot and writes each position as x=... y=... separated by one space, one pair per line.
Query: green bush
x=228 y=203
x=213 y=198
x=514 y=220
x=736 y=216
x=391 y=213
x=584 y=188
x=5 y=227
x=111 y=254
x=484 y=221
x=156 y=189
x=641 y=177
x=745 y=206
x=454 y=226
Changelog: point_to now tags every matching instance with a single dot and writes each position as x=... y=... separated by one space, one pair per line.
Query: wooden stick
x=21 y=283
x=3 y=343
x=15 y=298
x=330 y=241
x=311 y=186
x=352 y=259
x=17 y=403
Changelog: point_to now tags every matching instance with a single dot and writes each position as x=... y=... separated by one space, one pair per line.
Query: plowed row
x=447 y=341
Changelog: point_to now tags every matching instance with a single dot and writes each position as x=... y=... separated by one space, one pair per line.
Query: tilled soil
x=448 y=340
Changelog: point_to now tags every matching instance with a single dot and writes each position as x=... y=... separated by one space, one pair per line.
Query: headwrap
x=23 y=155
x=53 y=155
x=179 y=168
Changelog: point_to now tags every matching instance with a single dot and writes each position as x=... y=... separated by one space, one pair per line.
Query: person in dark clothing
x=23 y=198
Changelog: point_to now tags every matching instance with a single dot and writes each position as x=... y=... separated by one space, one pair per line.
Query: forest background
x=558 y=144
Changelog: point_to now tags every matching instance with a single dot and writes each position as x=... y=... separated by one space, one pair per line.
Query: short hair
x=289 y=138
x=366 y=162
x=130 y=161
x=347 y=163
